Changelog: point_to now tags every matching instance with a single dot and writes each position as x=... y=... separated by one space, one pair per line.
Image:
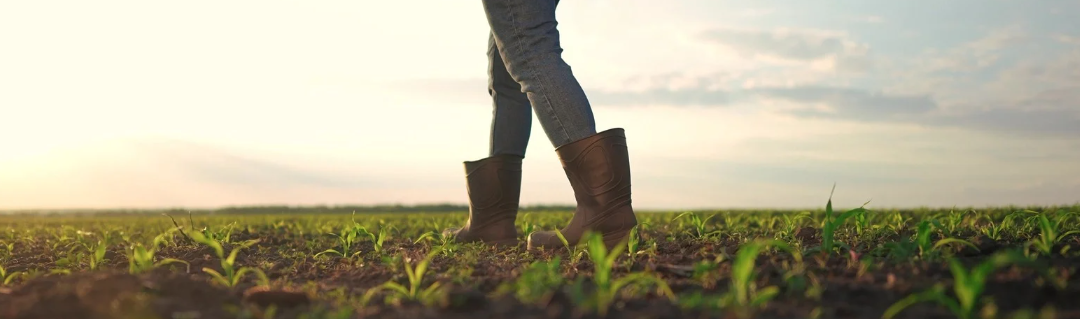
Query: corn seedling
x=377 y=239
x=232 y=274
x=576 y=251
x=608 y=288
x=1050 y=234
x=416 y=278
x=833 y=221
x=706 y=272
x=141 y=258
x=968 y=284
x=791 y=224
x=347 y=238
x=698 y=224
x=95 y=253
x=536 y=283
x=6 y=278
x=994 y=230
x=744 y=295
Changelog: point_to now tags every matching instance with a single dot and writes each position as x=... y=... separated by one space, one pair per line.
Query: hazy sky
x=725 y=103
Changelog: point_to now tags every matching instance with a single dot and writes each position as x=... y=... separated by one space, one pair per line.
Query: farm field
x=1004 y=262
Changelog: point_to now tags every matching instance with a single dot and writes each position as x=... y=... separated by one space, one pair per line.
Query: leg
x=511 y=120
x=494 y=183
x=527 y=40
x=596 y=164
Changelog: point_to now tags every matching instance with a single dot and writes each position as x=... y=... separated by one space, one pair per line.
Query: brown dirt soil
x=317 y=284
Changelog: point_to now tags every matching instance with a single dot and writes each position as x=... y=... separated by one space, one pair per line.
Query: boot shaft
x=494 y=188
x=598 y=169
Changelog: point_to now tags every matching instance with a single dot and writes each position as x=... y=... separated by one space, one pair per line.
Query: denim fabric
x=526 y=73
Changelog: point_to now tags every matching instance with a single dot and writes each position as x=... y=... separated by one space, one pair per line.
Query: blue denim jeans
x=526 y=73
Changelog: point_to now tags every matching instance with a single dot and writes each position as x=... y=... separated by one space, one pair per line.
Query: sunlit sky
x=726 y=104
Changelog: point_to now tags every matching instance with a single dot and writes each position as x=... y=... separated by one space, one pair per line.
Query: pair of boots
x=599 y=172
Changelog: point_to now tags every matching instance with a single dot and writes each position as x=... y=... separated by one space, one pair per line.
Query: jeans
x=526 y=73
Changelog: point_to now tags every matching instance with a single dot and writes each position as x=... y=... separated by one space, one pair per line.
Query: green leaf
x=167 y=261
x=764 y=295
x=396 y=287
x=329 y=251
x=217 y=276
x=930 y=295
x=947 y=241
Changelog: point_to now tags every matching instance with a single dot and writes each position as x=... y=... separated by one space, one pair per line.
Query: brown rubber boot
x=598 y=168
x=494 y=186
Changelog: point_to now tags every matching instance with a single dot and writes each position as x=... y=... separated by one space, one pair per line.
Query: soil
x=306 y=287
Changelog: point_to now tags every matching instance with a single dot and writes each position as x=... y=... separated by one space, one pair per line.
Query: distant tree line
x=285 y=209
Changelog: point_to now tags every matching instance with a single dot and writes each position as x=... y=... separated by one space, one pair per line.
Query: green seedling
x=536 y=283
x=576 y=251
x=699 y=225
x=634 y=243
x=95 y=253
x=791 y=224
x=223 y=234
x=526 y=227
x=952 y=223
x=922 y=238
x=9 y=249
x=414 y=291
x=6 y=278
x=607 y=288
x=141 y=258
x=706 y=272
x=996 y=231
x=347 y=238
x=444 y=244
x=833 y=221
x=1050 y=234
x=232 y=273
x=744 y=295
x=968 y=284
x=378 y=239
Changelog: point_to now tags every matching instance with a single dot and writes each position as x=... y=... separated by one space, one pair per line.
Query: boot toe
x=544 y=239
x=451 y=232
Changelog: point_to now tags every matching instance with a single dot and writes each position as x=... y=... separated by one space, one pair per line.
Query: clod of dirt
x=806 y=234
x=264 y=297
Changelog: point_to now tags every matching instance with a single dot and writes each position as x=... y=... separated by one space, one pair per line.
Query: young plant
x=922 y=238
x=347 y=238
x=232 y=274
x=6 y=278
x=536 y=283
x=699 y=225
x=576 y=251
x=968 y=284
x=95 y=253
x=706 y=272
x=833 y=221
x=634 y=243
x=744 y=295
x=993 y=230
x=608 y=288
x=141 y=259
x=444 y=244
x=791 y=224
x=377 y=239
x=1050 y=234
x=416 y=278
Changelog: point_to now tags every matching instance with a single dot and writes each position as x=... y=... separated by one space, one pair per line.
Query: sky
x=726 y=104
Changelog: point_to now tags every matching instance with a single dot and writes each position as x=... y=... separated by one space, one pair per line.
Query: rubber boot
x=598 y=168
x=494 y=187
